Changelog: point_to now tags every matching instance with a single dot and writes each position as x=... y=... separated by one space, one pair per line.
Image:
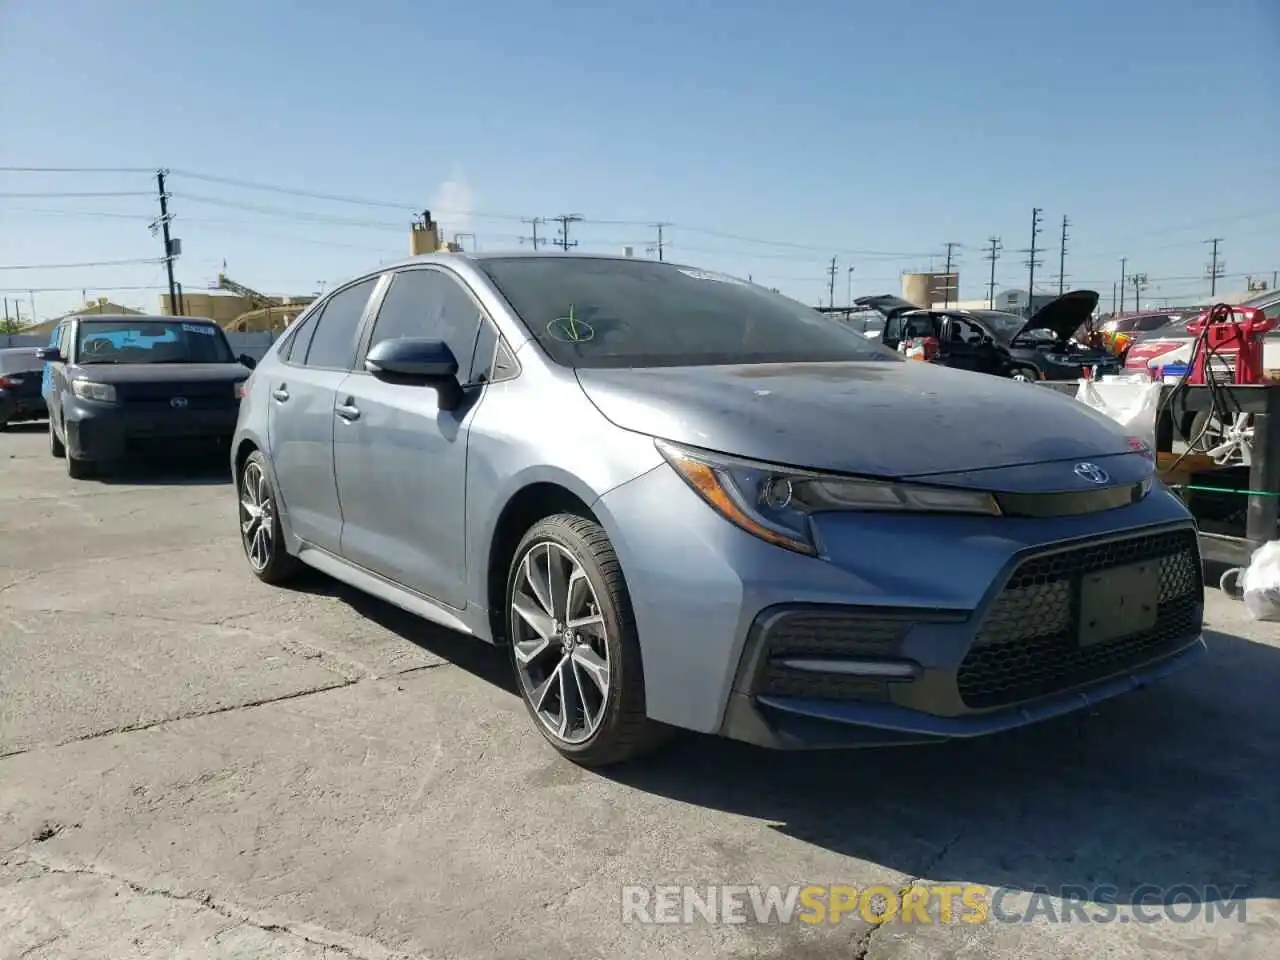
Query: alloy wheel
x=257 y=517
x=1021 y=376
x=560 y=643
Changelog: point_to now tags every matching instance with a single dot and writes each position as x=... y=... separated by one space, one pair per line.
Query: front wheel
x=1023 y=374
x=260 y=532
x=574 y=646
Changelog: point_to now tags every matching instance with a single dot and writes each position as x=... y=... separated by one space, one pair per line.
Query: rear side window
x=333 y=340
x=298 y=339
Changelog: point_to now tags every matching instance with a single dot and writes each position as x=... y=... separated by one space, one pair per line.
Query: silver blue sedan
x=684 y=501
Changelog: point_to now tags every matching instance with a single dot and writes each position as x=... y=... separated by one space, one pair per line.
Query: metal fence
x=253 y=344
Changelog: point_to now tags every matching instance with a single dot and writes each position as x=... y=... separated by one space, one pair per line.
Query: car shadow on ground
x=483 y=660
x=1174 y=786
x=168 y=471
x=26 y=426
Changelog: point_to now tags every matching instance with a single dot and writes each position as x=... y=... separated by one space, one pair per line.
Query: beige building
x=927 y=289
x=102 y=305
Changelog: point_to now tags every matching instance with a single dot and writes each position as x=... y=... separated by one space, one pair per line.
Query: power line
x=77 y=266
x=563 y=242
x=74 y=196
x=95 y=287
x=145 y=170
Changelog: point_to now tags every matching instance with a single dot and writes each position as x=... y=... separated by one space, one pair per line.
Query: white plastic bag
x=1261 y=582
x=1135 y=405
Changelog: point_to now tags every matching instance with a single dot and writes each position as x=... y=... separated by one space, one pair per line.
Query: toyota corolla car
x=683 y=501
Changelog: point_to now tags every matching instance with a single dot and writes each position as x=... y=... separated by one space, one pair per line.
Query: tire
x=617 y=729
x=56 y=447
x=261 y=535
x=1024 y=374
x=78 y=469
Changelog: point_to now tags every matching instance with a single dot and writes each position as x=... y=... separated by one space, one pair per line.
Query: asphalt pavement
x=195 y=765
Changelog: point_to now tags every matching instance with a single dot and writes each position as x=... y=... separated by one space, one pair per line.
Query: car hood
x=1064 y=316
x=162 y=372
x=875 y=418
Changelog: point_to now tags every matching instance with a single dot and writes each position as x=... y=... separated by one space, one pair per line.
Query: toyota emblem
x=1091 y=472
x=179 y=402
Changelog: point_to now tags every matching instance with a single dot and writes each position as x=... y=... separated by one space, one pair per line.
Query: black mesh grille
x=826 y=634
x=1028 y=643
x=198 y=394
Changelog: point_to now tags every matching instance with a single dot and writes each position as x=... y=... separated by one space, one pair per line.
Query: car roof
x=135 y=318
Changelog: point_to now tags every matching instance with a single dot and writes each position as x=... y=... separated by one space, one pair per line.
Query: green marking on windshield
x=570 y=329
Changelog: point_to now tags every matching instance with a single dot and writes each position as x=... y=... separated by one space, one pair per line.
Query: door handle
x=347 y=411
x=280 y=393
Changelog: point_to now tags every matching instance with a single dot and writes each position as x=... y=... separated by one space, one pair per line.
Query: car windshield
x=1005 y=326
x=598 y=312
x=151 y=341
x=20 y=361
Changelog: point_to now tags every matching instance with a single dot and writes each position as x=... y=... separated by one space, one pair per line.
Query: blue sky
x=874 y=132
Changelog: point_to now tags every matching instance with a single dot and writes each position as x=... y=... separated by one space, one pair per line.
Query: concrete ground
x=195 y=765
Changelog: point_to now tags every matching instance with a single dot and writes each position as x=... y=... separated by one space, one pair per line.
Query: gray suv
x=684 y=501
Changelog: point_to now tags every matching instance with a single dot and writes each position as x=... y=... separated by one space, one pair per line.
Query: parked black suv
x=1003 y=344
x=121 y=386
x=21 y=370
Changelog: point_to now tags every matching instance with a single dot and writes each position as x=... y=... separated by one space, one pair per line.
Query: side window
x=430 y=303
x=482 y=364
x=333 y=335
x=962 y=331
x=919 y=327
x=298 y=339
x=893 y=328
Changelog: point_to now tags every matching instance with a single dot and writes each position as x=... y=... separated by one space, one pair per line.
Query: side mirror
x=416 y=360
x=49 y=354
x=247 y=361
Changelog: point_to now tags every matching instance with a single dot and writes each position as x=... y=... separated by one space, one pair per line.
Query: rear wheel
x=260 y=531
x=574 y=646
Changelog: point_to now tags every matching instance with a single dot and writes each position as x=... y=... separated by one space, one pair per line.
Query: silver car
x=683 y=501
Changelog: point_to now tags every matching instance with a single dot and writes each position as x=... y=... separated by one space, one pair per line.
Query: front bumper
x=979 y=610
x=103 y=432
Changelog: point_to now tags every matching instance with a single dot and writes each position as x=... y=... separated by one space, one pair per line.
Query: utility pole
x=946 y=293
x=1032 y=263
x=168 y=242
x=848 y=295
x=1139 y=281
x=564 y=220
x=658 y=248
x=993 y=255
x=1123 y=261
x=535 y=239
x=1062 y=258
x=1113 y=299
x=1215 y=267
x=831 y=271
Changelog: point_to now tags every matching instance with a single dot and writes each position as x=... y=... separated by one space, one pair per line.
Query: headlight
x=774 y=503
x=88 y=390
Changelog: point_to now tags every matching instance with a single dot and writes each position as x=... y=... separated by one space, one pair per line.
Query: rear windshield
x=596 y=312
x=20 y=361
x=151 y=341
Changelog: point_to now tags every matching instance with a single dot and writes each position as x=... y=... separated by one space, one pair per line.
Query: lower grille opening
x=1028 y=645
x=826 y=634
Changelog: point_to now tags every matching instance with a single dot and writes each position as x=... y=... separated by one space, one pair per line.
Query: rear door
x=303 y=388
x=966 y=345
x=401 y=461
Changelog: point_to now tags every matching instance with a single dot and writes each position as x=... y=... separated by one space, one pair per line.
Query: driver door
x=965 y=345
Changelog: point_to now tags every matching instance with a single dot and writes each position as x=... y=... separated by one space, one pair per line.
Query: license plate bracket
x=1119 y=602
